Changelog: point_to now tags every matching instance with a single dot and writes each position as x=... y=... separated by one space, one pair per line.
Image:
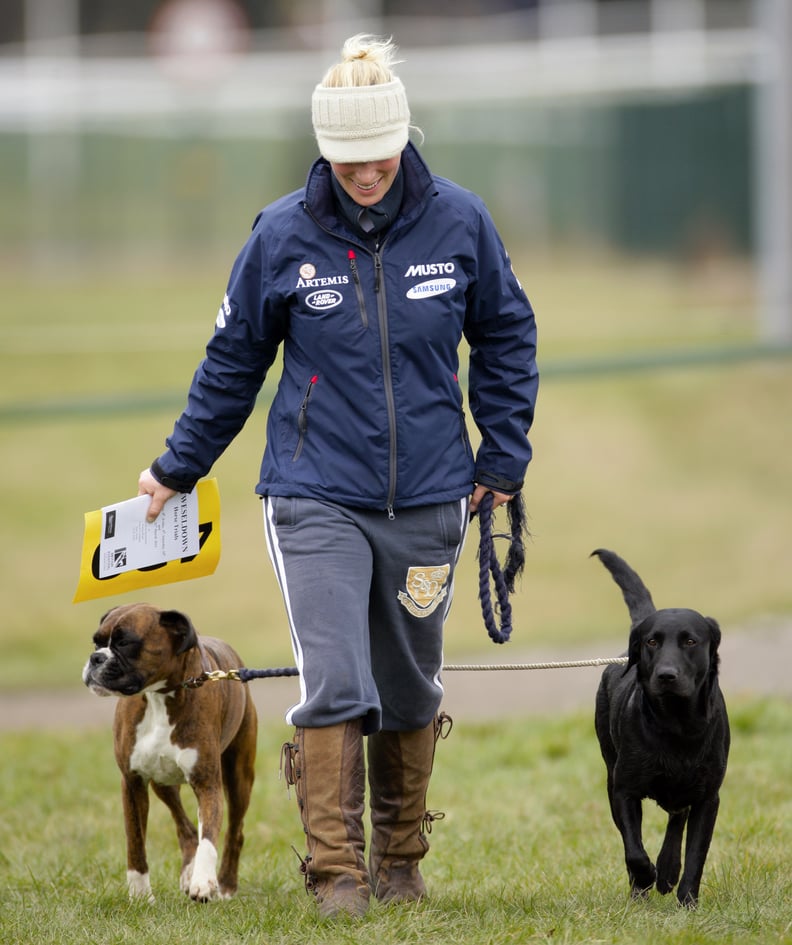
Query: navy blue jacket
x=369 y=411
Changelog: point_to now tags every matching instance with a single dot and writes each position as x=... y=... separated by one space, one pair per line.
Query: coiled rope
x=490 y=572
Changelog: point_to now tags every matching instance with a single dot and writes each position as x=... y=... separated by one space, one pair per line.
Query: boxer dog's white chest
x=155 y=757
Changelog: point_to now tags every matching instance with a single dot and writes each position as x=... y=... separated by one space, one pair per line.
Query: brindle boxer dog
x=167 y=735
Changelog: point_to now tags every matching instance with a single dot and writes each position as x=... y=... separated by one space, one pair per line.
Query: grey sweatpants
x=366 y=598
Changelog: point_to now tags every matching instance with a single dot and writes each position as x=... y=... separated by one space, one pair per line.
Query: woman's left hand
x=498 y=498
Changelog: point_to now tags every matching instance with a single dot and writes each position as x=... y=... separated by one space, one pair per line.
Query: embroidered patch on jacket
x=425 y=589
x=223 y=313
x=425 y=290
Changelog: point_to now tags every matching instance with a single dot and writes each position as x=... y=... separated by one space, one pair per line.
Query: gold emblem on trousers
x=426 y=588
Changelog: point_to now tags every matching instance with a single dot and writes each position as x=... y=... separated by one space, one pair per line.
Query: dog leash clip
x=211 y=675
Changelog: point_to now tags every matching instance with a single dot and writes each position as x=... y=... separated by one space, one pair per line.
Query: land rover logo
x=323 y=299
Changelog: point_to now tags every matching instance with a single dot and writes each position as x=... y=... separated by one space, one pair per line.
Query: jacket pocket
x=302 y=417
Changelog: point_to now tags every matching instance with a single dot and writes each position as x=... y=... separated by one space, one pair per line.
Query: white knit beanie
x=360 y=123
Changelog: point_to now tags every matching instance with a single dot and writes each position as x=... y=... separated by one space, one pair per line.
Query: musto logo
x=323 y=299
x=424 y=290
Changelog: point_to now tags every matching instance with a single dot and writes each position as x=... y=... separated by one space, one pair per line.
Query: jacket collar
x=321 y=202
x=381 y=214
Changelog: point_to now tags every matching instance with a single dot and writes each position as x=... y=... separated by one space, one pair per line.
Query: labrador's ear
x=715 y=639
x=633 y=650
x=181 y=630
x=637 y=635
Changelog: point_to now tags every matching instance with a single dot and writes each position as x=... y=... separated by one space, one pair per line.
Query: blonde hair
x=365 y=60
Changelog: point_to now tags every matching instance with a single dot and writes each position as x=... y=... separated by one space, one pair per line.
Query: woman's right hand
x=148 y=485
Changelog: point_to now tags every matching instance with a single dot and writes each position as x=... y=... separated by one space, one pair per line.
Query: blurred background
x=137 y=129
x=637 y=158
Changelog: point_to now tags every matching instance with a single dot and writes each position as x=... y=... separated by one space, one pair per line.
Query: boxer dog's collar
x=190 y=683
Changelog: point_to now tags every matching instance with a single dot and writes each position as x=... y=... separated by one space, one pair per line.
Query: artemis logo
x=430 y=269
x=305 y=283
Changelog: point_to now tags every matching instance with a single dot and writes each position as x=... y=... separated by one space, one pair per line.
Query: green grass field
x=683 y=469
x=526 y=853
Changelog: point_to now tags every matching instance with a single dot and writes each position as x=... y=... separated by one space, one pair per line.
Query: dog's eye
x=690 y=641
x=123 y=641
x=651 y=642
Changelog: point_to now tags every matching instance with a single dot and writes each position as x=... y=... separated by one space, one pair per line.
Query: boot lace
x=288 y=764
x=428 y=819
x=310 y=879
x=443 y=724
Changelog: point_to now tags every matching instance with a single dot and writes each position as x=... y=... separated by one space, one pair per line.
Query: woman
x=368 y=277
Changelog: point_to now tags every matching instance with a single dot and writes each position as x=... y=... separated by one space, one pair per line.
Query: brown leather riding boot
x=399 y=768
x=327 y=769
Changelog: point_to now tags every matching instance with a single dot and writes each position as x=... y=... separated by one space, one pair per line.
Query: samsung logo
x=425 y=290
x=324 y=299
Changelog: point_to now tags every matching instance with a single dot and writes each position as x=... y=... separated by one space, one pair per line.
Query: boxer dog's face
x=135 y=648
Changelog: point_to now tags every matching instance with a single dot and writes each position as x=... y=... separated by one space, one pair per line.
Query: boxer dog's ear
x=181 y=630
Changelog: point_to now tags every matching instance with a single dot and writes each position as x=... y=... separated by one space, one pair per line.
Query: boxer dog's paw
x=139 y=886
x=203 y=882
x=204 y=892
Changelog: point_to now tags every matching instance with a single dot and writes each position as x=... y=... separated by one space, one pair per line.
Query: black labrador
x=664 y=734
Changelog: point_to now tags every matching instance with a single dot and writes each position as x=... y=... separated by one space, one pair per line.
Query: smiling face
x=367 y=183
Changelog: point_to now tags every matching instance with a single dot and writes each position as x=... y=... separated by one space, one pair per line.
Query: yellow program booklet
x=123 y=552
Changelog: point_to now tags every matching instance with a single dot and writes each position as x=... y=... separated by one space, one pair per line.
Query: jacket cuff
x=498 y=483
x=178 y=485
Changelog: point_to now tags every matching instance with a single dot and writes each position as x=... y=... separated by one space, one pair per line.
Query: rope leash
x=491 y=574
x=564 y=664
x=243 y=674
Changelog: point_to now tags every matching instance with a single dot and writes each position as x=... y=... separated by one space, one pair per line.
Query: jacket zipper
x=302 y=417
x=382 y=313
x=358 y=287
